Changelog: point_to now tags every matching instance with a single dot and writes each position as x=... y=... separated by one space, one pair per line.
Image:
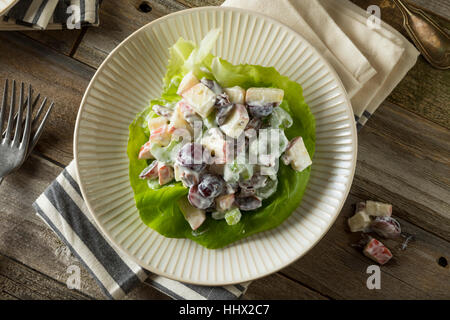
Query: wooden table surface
x=403 y=159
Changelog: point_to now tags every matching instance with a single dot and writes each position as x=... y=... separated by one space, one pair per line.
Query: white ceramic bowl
x=132 y=75
x=5 y=5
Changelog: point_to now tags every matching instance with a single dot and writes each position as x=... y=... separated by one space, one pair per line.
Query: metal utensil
x=35 y=123
x=13 y=151
x=432 y=40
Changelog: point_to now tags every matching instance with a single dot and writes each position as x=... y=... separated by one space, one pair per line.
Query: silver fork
x=14 y=152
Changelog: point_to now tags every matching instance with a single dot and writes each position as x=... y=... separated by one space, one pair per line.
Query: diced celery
x=268 y=190
x=233 y=217
x=235 y=171
x=166 y=154
x=280 y=119
x=210 y=121
x=218 y=215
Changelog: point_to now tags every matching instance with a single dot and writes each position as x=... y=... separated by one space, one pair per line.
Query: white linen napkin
x=370 y=62
x=388 y=51
x=283 y=11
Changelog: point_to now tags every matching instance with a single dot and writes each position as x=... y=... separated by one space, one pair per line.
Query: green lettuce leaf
x=158 y=207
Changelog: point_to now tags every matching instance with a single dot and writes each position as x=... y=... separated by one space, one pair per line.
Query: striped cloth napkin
x=63 y=209
x=51 y=15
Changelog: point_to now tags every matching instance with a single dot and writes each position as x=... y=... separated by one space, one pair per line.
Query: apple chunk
x=188 y=82
x=214 y=141
x=201 y=98
x=236 y=94
x=177 y=121
x=165 y=173
x=297 y=155
x=236 y=123
x=156 y=123
x=144 y=152
x=195 y=217
x=262 y=96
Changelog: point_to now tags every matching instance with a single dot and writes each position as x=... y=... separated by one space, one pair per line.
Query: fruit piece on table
x=224 y=203
x=237 y=121
x=236 y=95
x=386 y=227
x=378 y=209
x=151 y=172
x=377 y=251
x=359 y=222
x=156 y=123
x=144 y=152
x=262 y=96
x=165 y=173
x=201 y=98
x=188 y=82
x=233 y=217
x=195 y=217
x=297 y=155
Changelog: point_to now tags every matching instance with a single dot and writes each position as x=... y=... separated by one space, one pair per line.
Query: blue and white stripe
x=48 y=14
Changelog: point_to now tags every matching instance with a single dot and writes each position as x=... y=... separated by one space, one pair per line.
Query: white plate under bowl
x=132 y=75
x=5 y=5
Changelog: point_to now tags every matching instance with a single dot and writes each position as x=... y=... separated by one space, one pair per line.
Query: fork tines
x=35 y=123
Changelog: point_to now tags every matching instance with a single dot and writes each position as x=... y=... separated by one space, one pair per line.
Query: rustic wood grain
x=54 y=75
x=338 y=270
x=25 y=238
x=200 y=3
x=279 y=287
x=119 y=19
x=62 y=41
x=438 y=7
x=404 y=159
x=22 y=282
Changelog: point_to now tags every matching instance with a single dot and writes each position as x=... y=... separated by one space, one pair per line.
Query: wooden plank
x=200 y=3
x=57 y=76
x=118 y=20
x=405 y=160
x=20 y=281
x=62 y=41
x=279 y=287
x=29 y=241
x=338 y=270
x=438 y=7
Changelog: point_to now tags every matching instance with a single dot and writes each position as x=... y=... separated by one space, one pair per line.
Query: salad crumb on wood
x=220 y=146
